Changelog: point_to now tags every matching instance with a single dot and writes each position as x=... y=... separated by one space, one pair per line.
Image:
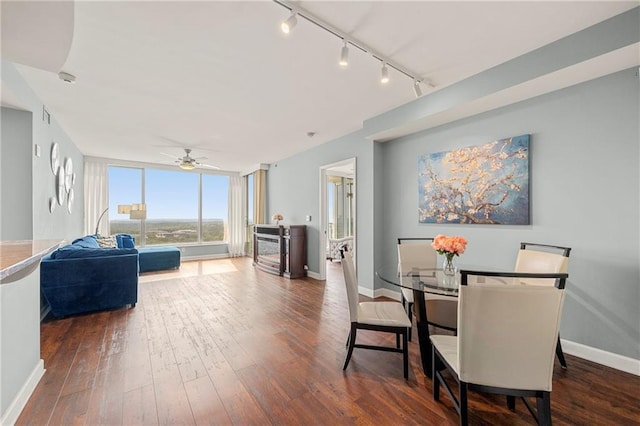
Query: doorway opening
x=337 y=211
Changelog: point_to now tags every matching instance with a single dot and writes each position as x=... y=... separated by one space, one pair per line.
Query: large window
x=172 y=207
x=125 y=187
x=181 y=207
x=215 y=207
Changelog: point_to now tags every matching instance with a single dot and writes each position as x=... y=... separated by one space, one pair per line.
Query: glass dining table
x=421 y=281
x=434 y=281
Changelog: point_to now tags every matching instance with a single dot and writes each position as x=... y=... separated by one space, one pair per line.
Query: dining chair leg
x=560 y=354
x=511 y=402
x=543 y=403
x=405 y=355
x=434 y=374
x=410 y=315
x=397 y=340
x=464 y=414
x=352 y=342
x=348 y=340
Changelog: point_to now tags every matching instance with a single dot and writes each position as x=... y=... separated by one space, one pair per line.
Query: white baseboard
x=205 y=257
x=314 y=275
x=392 y=294
x=395 y=295
x=15 y=408
x=44 y=312
x=619 y=362
x=366 y=292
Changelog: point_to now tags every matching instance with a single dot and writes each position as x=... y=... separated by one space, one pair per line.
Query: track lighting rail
x=347 y=39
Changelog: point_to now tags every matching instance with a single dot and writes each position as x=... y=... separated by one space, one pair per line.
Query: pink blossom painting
x=482 y=184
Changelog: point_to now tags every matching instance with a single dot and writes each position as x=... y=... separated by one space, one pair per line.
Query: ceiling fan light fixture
x=185 y=165
x=289 y=24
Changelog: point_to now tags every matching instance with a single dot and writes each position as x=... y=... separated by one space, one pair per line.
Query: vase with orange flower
x=449 y=247
x=277 y=217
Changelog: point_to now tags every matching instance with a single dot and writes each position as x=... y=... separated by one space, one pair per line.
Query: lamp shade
x=138 y=211
x=124 y=208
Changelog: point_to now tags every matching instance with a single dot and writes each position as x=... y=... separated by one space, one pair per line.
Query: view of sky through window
x=172 y=202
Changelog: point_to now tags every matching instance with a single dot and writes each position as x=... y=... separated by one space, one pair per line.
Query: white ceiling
x=219 y=77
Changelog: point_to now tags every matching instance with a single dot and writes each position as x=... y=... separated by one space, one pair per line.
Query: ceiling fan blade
x=209 y=166
x=199 y=158
x=168 y=155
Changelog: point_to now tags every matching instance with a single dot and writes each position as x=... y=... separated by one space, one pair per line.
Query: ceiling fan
x=187 y=162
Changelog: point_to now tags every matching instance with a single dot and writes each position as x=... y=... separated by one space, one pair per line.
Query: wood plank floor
x=219 y=342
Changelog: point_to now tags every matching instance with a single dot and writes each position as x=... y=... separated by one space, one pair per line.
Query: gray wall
x=20 y=330
x=293 y=189
x=585 y=190
x=15 y=174
x=59 y=224
x=19 y=336
x=584 y=180
x=584 y=194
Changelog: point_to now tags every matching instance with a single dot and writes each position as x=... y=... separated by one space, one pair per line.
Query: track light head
x=288 y=25
x=344 y=55
x=384 y=77
x=417 y=89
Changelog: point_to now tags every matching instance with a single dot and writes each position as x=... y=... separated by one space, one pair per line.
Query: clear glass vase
x=448 y=268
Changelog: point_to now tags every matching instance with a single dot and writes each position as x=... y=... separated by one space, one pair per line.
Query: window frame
x=200 y=241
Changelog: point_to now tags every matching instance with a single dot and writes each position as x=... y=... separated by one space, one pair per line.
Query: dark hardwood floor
x=221 y=343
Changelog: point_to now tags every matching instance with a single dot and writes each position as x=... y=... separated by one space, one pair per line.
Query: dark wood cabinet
x=281 y=249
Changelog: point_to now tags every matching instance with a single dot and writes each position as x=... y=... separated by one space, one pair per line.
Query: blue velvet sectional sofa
x=82 y=277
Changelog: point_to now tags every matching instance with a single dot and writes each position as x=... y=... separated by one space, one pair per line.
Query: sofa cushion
x=107 y=242
x=125 y=241
x=88 y=241
x=73 y=251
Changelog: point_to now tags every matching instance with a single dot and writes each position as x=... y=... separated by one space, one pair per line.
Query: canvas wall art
x=482 y=184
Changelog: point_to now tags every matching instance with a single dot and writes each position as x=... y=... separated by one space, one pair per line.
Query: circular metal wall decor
x=70 y=198
x=68 y=174
x=60 y=185
x=55 y=157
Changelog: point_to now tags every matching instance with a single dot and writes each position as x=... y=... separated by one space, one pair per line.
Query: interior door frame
x=322 y=214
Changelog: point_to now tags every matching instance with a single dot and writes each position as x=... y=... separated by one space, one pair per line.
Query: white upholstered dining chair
x=540 y=258
x=418 y=253
x=505 y=345
x=387 y=317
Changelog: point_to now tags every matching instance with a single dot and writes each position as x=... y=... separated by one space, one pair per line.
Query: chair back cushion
x=507 y=335
x=417 y=255
x=414 y=255
x=351 y=283
x=540 y=261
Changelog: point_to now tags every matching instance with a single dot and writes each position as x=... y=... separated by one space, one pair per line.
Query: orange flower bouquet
x=449 y=247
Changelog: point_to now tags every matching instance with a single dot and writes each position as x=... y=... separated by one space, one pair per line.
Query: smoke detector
x=66 y=77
